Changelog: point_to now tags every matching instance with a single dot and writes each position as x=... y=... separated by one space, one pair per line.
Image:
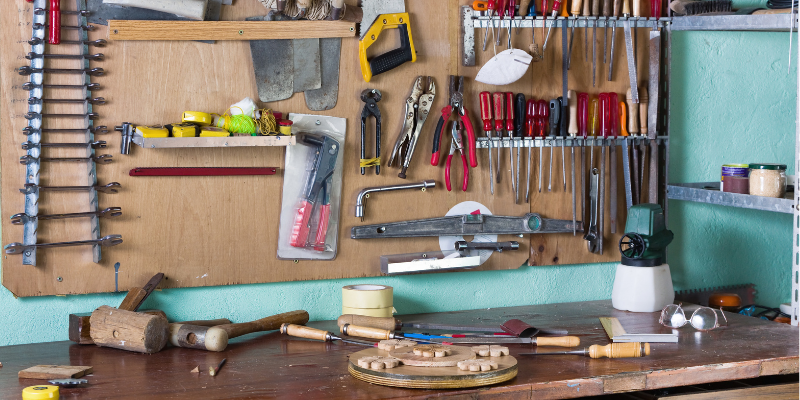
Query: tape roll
x=369 y=312
x=367 y=296
x=40 y=392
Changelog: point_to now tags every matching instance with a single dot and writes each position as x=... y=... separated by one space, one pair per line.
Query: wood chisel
x=633 y=129
x=607 y=7
x=560 y=341
x=583 y=128
x=395 y=324
x=644 y=132
x=531 y=125
x=652 y=111
x=575 y=10
x=613 y=350
x=375 y=333
x=612 y=154
x=510 y=133
x=306 y=332
x=486 y=117
x=586 y=13
x=573 y=133
x=615 y=11
x=595 y=14
x=626 y=160
x=499 y=112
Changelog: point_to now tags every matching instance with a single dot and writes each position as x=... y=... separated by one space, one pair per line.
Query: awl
x=560 y=341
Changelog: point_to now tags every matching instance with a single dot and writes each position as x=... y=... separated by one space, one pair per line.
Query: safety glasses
x=702 y=319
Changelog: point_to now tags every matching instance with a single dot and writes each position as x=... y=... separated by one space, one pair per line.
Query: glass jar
x=768 y=180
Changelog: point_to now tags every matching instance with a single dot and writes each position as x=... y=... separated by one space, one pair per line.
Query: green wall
x=725 y=86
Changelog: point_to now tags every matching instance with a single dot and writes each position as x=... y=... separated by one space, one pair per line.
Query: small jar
x=768 y=180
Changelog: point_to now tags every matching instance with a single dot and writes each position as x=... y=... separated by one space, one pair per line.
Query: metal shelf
x=708 y=192
x=764 y=23
x=229 y=141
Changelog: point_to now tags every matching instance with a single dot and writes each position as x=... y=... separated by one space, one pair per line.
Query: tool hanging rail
x=557 y=141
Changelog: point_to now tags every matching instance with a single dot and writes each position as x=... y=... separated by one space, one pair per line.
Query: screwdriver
x=482 y=7
x=633 y=129
x=534 y=48
x=596 y=14
x=594 y=123
x=562 y=130
x=556 y=7
x=613 y=350
x=531 y=124
x=605 y=130
x=510 y=132
x=316 y=334
x=573 y=132
x=575 y=10
x=606 y=13
x=512 y=12
x=543 y=111
x=498 y=125
x=486 y=117
x=555 y=115
x=583 y=128
x=491 y=6
x=612 y=154
x=617 y=4
x=586 y=13
x=501 y=11
x=626 y=157
x=519 y=132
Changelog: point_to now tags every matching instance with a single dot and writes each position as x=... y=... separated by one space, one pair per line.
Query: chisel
x=560 y=341
x=643 y=131
x=633 y=129
x=499 y=112
x=617 y=4
x=374 y=333
x=607 y=4
x=626 y=160
x=317 y=334
x=613 y=350
x=596 y=14
x=586 y=13
x=531 y=124
x=486 y=117
x=510 y=132
x=605 y=127
x=573 y=132
x=612 y=154
x=394 y=324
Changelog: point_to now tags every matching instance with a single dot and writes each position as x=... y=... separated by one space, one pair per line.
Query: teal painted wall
x=724 y=85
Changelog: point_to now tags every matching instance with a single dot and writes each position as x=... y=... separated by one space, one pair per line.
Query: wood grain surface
x=228 y=30
x=279 y=366
x=205 y=231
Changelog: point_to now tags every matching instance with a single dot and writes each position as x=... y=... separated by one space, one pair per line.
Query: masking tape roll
x=367 y=296
x=40 y=392
x=369 y=312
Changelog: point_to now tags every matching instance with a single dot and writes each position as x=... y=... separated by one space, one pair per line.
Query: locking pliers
x=418 y=105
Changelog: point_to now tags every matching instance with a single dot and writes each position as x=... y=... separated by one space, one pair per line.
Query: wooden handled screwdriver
x=316 y=334
x=613 y=350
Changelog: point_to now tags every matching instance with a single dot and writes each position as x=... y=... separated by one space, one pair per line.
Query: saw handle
x=305 y=332
x=392 y=58
x=560 y=341
x=620 y=350
x=387 y=323
x=366 y=332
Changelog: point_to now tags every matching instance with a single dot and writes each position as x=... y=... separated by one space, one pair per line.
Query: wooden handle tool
x=573 y=113
x=643 y=99
x=191 y=9
x=637 y=9
x=367 y=332
x=613 y=350
x=388 y=323
x=575 y=7
x=136 y=296
x=560 y=341
x=307 y=332
x=215 y=338
x=633 y=114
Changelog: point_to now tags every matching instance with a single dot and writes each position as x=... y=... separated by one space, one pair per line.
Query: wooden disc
x=407 y=356
x=431 y=378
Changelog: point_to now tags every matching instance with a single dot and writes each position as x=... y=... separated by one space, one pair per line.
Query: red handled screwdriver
x=486 y=117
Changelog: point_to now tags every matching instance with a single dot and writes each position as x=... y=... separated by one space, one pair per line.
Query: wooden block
x=132 y=300
x=128 y=330
x=55 y=372
x=80 y=328
x=228 y=30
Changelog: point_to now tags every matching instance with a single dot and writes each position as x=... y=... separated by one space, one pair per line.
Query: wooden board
x=431 y=377
x=228 y=30
x=54 y=372
x=205 y=231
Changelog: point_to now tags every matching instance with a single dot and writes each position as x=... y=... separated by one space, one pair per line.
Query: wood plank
x=54 y=372
x=271 y=365
x=228 y=30
x=773 y=392
x=206 y=231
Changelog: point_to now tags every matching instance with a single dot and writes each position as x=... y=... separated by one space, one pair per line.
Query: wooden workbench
x=272 y=365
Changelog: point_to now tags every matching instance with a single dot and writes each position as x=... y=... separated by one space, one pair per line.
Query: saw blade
x=373 y=8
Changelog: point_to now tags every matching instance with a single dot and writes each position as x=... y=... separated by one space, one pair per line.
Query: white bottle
x=642 y=289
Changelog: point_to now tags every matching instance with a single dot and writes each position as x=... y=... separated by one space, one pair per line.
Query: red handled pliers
x=456 y=145
x=456 y=104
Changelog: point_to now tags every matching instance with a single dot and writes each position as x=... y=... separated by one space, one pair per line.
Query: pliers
x=418 y=105
x=456 y=145
x=456 y=95
x=371 y=97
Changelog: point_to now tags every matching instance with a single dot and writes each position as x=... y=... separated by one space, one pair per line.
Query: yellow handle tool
x=393 y=58
x=613 y=350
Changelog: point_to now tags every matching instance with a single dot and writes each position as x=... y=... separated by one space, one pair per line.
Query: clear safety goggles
x=702 y=319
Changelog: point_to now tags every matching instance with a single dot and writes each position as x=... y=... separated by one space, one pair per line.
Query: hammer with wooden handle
x=191 y=9
x=216 y=338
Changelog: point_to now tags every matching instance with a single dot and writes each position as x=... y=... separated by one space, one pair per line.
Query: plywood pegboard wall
x=204 y=231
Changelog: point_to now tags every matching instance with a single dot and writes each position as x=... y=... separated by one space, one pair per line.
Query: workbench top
x=272 y=365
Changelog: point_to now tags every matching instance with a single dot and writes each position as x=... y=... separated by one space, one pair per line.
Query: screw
x=116 y=31
x=241 y=32
x=318 y=122
x=59 y=279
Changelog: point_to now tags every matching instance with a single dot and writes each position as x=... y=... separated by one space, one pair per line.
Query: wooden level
x=227 y=30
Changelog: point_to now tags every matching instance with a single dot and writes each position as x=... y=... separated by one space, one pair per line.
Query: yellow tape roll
x=367 y=296
x=39 y=392
x=369 y=312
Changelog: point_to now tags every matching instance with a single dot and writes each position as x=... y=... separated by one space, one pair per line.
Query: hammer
x=216 y=338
